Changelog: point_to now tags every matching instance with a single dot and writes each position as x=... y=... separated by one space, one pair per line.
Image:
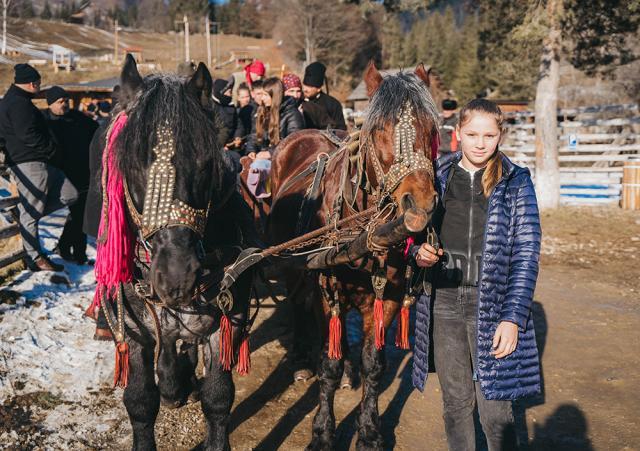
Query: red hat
x=257 y=67
x=291 y=81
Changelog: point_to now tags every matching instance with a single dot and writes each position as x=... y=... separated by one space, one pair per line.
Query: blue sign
x=573 y=142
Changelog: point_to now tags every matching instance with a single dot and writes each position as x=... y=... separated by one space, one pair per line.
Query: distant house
x=358 y=99
x=512 y=106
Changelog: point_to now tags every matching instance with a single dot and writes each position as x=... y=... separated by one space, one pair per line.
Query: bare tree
x=546 y=144
x=6 y=4
x=319 y=30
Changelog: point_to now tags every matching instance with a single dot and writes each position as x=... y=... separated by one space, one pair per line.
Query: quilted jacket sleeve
x=525 y=254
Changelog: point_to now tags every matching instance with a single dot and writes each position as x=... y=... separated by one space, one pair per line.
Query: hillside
x=162 y=52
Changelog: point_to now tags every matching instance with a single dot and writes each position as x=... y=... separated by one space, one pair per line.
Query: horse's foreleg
x=217 y=391
x=141 y=397
x=324 y=422
x=373 y=366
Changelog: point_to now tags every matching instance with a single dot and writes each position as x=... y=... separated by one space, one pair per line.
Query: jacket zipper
x=470 y=237
x=476 y=376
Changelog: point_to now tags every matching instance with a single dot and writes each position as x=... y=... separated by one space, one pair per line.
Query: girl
x=483 y=278
x=277 y=118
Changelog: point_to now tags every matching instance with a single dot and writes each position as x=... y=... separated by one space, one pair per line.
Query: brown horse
x=392 y=168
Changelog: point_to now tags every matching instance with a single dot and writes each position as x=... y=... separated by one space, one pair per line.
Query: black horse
x=170 y=306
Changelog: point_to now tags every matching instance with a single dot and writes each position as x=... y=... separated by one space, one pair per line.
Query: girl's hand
x=428 y=256
x=252 y=155
x=505 y=339
x=263 y=155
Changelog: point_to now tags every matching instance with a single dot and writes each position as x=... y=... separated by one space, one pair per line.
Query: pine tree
x=46 y=11
x=392 y=37
x=26 y=9
x=468 y=80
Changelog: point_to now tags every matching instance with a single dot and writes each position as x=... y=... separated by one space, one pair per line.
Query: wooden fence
x=11 y=249
x=593 y=144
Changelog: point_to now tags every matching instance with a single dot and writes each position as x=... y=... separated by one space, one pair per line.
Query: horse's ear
x=372 y=78
x=201 y=84
x=423 y=74
x=130 y=79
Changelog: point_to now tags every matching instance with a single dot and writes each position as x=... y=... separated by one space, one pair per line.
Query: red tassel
x=244 y=357
x=121 y=372
x=226 y=343
x=378 y=323
x=335 y=337
x=402 y=332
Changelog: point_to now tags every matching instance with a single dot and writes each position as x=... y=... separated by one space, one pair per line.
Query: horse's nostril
x=407 y=201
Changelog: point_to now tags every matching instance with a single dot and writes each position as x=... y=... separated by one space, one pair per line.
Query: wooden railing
x=11 y=250
x=593 y=144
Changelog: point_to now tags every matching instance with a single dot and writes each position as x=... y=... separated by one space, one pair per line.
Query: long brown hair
x=269 y=117
x=493 y=171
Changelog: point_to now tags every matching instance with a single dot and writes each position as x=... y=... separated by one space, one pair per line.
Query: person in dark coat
x=448 y=138
x=483 y=280
x=277 y=118
x=320 y=110
x=42 y=187
x=73 y=132
x=224 y=108
x=227 y=117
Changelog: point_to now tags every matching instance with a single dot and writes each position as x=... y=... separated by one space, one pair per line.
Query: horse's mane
x=163 y=98
x=387 y=103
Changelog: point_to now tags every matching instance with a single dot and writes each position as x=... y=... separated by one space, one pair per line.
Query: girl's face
x=243 y=97
x=479 y=139
x=295 y=92
x=266 y=99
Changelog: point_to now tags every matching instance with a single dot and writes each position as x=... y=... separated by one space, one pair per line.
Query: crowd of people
x=48 y=152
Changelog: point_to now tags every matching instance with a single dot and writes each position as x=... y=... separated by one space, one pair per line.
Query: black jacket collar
x=19 y=92
x=445 y=163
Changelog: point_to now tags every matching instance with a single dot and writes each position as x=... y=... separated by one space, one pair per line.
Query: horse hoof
x=302 y=375
x=369 y=445
x=346 y=383
x=319 y=445
x=169 y=404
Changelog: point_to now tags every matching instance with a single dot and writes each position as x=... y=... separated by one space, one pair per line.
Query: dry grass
x=165 y=51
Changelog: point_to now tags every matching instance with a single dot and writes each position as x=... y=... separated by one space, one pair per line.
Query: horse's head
x=400 y=131
x=171 y=162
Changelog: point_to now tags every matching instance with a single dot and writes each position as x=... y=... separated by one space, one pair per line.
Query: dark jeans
x=455 y=317
x=73 y=238
x=43 y=189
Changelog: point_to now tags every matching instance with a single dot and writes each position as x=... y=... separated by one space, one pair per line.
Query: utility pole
x=186 y=38
x=115 y=47
x=207 y=36
x=216 y=31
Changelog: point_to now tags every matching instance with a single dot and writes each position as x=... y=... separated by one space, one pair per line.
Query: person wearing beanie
x=449 y=120
x=73 y=132
x=254 y=71
x=320 y=110
x=292 y=87
x=42 y=187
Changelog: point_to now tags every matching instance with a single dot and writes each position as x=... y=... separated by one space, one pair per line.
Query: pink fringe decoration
x=114 y=260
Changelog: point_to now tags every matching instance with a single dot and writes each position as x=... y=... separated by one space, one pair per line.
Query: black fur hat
x=314 y=74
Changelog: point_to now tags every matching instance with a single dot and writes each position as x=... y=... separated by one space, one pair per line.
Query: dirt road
x=587 y=319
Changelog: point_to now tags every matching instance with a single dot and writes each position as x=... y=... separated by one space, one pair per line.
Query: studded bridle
x=161 y=209
x=406 y=159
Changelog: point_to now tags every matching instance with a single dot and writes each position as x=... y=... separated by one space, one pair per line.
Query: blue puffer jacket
x=508 y=274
